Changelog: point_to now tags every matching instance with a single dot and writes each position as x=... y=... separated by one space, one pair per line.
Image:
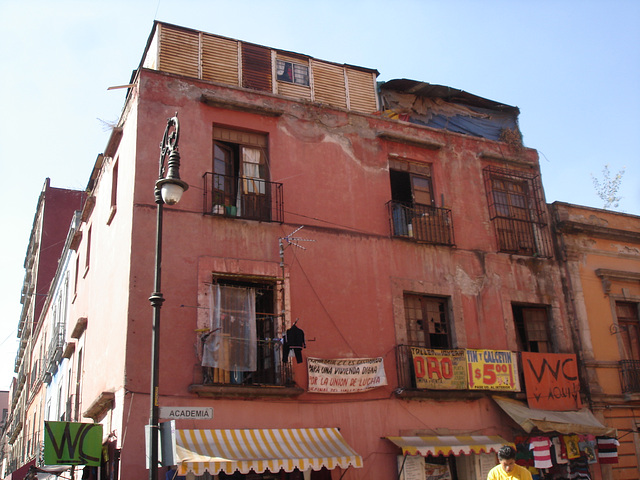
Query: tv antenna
x=291 y=240
x=284 y=242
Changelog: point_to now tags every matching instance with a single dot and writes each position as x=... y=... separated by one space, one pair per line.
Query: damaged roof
x=445 y=93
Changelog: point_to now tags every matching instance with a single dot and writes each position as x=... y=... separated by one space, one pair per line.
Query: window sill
x=245 y=391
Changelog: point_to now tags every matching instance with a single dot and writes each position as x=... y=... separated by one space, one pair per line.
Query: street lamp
x=168 y=189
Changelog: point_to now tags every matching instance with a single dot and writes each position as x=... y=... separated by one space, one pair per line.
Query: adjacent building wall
x=601 y=250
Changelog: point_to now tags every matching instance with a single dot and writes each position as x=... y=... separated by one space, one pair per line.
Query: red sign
x=552 y=381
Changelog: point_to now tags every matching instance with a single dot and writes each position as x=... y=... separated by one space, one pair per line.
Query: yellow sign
x=492 y=370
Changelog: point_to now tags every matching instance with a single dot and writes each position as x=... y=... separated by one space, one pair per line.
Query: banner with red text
x=552 y=381
x=492 y=370
x=348 y=375
x=439 y=369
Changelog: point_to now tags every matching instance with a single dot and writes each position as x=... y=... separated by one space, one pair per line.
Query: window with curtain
x=238 y=185
x=231 y=345
x=242 y=344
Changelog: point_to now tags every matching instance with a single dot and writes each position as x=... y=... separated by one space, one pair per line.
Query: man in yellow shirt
x=508 y=469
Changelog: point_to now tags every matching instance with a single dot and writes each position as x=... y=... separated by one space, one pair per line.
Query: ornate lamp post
x=168 y=189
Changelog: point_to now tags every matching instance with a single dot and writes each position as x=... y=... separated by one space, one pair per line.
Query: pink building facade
x=426 y=269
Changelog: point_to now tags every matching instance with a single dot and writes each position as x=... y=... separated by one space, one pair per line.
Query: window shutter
x=256 y=67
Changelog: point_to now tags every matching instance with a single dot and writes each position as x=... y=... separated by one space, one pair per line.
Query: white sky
x=572 y=67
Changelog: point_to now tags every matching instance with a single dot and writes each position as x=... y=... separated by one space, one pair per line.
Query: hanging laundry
x=580 y=469
x=524 y=456
x=293 y=343
x=560 y=451
x=607 y=450
x=571 y=444
x=541 y=452
x=588 y=448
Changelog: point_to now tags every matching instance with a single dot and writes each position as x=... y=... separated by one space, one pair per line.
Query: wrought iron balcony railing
x=630 y=376
x=243 y=197
x=271 y=370
x=421 y=223
x=56 y=345
x=404 y=362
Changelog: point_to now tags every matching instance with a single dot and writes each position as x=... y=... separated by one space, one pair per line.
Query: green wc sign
x=68 y=443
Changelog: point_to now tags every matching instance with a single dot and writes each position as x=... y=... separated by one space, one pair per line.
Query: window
x=87 y=257
x=241 y=346
x=291 y=72
x=427 y=321
x=517 y=210
x=114 y=192
x=412 y=207
x=532 y=329
x=629 y=331
x=238 y=185
x=75 y=278
x=629 y=328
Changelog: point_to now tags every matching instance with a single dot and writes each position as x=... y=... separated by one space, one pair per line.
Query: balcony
x=630 y=376
x=272 y=377
x=54 y=352
x=421 y=223
x=16 y=425
x=243 y=197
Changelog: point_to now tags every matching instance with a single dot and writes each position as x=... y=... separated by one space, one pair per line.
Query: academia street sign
x=186 y=413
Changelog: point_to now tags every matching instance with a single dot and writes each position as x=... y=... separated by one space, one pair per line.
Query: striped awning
x=198 y=451
x=447 y=445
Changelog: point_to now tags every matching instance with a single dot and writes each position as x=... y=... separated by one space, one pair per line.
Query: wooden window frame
x=434 y=325
x=293 y=77
x=532 y=335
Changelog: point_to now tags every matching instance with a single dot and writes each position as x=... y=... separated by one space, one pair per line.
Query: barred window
x=518 y=212
x=532 y=328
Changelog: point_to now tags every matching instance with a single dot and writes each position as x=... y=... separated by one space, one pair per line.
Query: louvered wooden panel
x=256 y=67
x=179 y=51
x=239 y=136
x=220 y=60
x=294 y=91
x=362 y=94
x=328 y=84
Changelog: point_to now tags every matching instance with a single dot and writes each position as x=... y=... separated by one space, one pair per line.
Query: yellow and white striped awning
x=447 y=445
x=262 y=449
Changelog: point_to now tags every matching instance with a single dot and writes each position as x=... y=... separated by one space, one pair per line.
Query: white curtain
x=253 y=183
x=232 y=343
